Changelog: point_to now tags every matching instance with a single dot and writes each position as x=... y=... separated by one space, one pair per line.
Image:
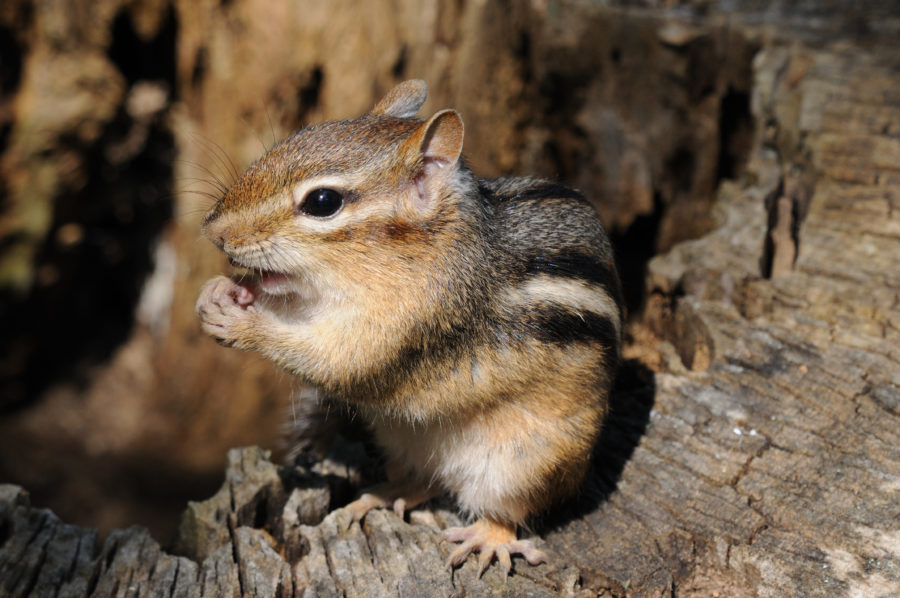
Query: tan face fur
x=392 y=171
x=259 y=225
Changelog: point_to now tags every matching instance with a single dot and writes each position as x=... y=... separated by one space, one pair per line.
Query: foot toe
x=362 y=505
x=526 y=548
x=458 y=556
x=456 y=534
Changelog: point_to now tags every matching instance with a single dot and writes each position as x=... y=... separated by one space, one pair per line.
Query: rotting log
x=760 y=458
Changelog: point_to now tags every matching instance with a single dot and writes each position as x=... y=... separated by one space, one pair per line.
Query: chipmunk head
x=346 y=196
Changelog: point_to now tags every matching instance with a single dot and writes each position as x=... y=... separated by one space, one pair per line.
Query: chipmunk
x=473 y=324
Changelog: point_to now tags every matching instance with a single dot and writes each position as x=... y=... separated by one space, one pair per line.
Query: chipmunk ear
x=404 y=100
x=441 y=139
x=436 y=147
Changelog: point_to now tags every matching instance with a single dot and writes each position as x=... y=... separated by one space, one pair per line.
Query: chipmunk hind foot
x=400 y=496
x=492 y=540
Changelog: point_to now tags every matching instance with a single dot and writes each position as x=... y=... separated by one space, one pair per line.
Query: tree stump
x=760 y=457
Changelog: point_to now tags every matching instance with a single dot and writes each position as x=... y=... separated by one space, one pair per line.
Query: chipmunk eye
x=322 y=203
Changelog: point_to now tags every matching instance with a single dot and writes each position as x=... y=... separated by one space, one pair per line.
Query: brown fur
x=474 y=324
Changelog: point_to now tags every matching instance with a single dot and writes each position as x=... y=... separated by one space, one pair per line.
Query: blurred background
x=120 y=120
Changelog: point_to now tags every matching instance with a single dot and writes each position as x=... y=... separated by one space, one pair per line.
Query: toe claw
x=343 y=519
x=459 y=555
x=484 y=560
x=399 y=507
x=360 y=507
x=504 y=561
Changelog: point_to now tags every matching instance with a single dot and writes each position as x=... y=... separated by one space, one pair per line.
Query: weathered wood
x=794 y=425
x=761 y=457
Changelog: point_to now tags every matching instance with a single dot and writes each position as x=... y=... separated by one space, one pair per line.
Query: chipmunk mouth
x=271 y=282
x=264 y=281
x=276 y=283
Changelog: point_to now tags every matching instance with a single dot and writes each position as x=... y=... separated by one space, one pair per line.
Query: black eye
x=322 y=203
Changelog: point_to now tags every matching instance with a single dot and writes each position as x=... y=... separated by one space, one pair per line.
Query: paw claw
x=484 y=559
x=342 y=519
x=361 y=506
x=505 y=561
x=399 y=507
x=458 y=556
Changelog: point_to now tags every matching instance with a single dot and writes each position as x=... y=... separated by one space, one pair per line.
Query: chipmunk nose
x=216 y=237
x=218 y=240
x=214 y=232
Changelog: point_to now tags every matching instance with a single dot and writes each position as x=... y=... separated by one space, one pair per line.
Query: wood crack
x=735 y=481
x=235 y=550
x=174 y=582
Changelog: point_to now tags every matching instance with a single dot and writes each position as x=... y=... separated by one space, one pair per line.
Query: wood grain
x=754 y=445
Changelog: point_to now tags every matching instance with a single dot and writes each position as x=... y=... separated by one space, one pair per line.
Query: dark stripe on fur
x=525 y=189
x=581 y=267
x=553 y=324
x=549 y=191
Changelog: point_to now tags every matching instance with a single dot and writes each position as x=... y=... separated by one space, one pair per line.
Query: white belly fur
x=487 y=468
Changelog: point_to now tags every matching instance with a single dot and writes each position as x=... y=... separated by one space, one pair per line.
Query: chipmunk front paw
x=226 y=311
